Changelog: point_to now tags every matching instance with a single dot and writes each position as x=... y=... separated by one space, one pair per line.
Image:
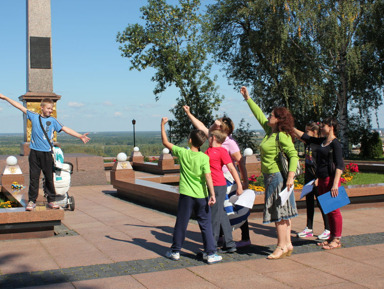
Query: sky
x=98 y=91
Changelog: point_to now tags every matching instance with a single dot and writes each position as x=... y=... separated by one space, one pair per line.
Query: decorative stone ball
x=122 y=157
x=248 y=152
x=11 y=161
x=136 y=149
x=165 y=151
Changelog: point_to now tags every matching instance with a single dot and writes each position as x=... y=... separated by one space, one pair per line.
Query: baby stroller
x=62 y=182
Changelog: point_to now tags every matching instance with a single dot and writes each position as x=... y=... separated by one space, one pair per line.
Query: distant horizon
x=130 y=131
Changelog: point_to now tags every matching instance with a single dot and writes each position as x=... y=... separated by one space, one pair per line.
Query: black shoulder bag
x=284 y=162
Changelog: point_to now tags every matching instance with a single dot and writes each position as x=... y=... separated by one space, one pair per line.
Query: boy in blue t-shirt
x=195 y=176
x=40 y=156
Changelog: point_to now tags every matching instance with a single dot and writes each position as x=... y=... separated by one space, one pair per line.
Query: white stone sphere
x=11 y=161
x=248 y=152
x=136 y=149
x=122 y=157
x=165 y=151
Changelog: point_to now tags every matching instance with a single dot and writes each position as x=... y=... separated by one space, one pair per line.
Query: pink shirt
x=218 y=157
x=232 y=147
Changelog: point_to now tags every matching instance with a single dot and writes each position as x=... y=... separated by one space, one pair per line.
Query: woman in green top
x=279 y=122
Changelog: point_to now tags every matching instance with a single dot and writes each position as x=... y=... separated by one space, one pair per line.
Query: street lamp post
x=134 y=133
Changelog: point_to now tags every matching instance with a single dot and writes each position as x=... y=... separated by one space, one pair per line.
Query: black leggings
x=310 y=201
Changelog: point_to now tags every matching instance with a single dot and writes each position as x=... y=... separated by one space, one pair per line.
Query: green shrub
x=371 y=145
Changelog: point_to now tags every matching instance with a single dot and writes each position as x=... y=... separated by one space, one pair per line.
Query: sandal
x=275 y=257
x=326 y=242
x=289 y=252
x=330 y=245
x=322 y=244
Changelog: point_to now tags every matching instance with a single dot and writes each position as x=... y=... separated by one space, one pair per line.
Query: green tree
x=245 y=137
x=310 y=56
x=371 y=145
x=252 y=40
x=172 y=44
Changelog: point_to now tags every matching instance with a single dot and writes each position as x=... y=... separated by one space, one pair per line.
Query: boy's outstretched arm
x=164 y=137
x=84 y=138
x=235 y=175
x=212 y=197
x=196 y=123
x=16 y=104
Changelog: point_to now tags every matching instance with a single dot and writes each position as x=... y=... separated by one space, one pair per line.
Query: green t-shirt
x=193 y=167
x=269 y=149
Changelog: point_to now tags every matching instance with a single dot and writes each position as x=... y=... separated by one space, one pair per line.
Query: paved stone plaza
x=110 y=243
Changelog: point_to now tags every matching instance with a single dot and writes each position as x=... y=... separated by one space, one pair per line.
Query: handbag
x=57 y=163
x=284 y=162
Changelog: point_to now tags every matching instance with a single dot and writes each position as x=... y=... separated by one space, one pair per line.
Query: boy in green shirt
x=195 y=176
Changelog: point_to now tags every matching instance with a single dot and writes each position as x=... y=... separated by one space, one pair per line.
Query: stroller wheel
x=71 y=203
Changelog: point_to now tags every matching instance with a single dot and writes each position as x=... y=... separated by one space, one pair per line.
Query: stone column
x=39 y=63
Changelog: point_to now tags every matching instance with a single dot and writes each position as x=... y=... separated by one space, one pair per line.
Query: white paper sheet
x=284 y=195
x=307 y=188
x=246 y=199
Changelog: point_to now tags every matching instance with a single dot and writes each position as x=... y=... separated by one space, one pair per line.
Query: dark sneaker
x=53 y=205
x=227 y=250
x=31 y=205
x=243 y=243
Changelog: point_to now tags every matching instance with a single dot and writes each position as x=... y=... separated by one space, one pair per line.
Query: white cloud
x=107 y=103
x=75 y=104
x=1 y=108
x=149 y=105
x=118 y=114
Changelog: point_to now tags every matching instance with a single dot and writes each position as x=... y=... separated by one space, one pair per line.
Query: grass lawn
x=366 y=178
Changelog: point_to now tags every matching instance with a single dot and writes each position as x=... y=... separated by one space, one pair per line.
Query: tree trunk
x=342 y=102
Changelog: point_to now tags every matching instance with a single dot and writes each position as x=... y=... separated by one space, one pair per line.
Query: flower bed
x=5 y=203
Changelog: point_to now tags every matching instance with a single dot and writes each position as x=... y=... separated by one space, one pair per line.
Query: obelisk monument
x=39 y=63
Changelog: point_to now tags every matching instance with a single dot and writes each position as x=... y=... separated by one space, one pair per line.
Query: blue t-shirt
x=38 y=140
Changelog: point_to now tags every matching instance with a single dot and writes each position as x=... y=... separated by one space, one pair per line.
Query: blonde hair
x=219 y=135
x=46 y=101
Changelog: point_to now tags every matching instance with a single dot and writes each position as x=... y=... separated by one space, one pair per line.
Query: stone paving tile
x=225 y=275
x=356 y=272
x=344 y=285
x=73 y=251
x=300 y=278
x=106 y=283
x=180 y=278
x=285 y=272
x=14 y=258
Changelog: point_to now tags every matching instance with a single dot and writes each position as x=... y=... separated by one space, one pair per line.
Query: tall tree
x=171 y=43
x=245 y=137
x=307 y=55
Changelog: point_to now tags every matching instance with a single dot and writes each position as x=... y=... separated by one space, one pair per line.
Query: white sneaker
x=172 y=255
x=305 y=233
x=325 y=235
x=214 y=258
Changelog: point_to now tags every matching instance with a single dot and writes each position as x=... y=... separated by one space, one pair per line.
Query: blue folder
x=329 y=204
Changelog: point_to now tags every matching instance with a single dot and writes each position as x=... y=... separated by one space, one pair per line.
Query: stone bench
x=155 y=195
